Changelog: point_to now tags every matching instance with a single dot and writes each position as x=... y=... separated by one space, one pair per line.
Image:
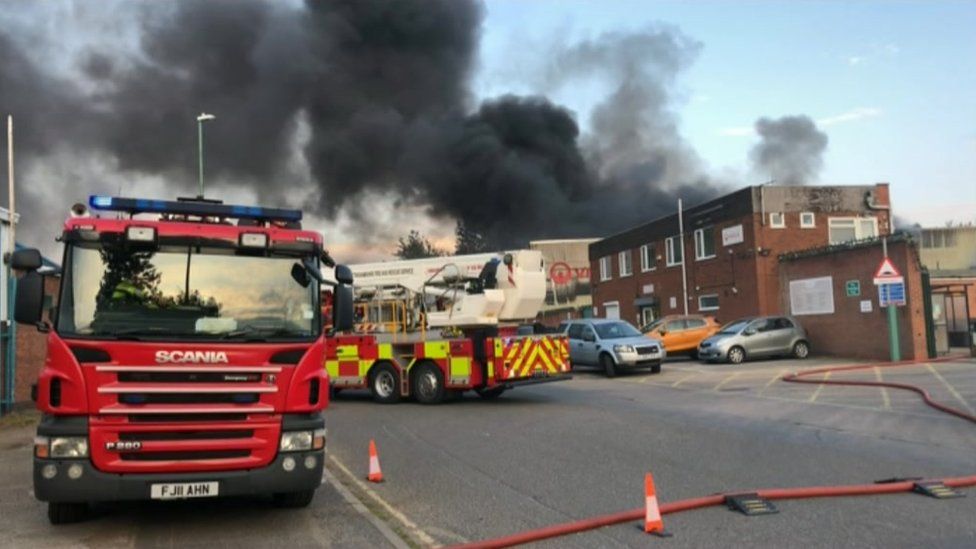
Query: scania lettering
x=185 y=356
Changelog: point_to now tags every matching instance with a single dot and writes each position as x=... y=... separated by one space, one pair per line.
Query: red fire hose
x=767 y=493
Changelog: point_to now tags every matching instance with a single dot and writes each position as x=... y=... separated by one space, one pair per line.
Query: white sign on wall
x=673 y=302
x=812 y=296
x=867 y=306
x=732 y=235
x=648 y=288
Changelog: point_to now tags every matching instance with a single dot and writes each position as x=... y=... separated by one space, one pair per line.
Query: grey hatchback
x=611 y=345
x=756 y=337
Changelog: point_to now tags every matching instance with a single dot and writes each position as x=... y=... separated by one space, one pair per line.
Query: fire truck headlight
x=318 y=438
x=69 y=447
x=42 y=447
x=296 y=441
x=254 y=240
x=140 y=234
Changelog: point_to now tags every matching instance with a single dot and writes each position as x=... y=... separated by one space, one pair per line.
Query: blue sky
x=893 y=84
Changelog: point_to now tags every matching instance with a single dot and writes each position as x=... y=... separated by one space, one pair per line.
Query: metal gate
x=950 y=319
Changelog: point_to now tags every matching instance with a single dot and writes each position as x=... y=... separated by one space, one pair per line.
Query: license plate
x=184 y=490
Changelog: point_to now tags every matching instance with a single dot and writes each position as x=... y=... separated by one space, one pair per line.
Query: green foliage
x=469 y=241
x=416 y=246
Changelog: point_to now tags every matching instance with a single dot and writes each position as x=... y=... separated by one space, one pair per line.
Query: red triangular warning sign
x=887 y=270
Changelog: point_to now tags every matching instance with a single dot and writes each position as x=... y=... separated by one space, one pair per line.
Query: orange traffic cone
x=652 y=513
x=375 y=475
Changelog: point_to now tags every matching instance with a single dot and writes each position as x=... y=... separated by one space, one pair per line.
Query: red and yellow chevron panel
x=534 y=356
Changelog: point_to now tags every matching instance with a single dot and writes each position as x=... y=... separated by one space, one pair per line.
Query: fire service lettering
x=209 y=357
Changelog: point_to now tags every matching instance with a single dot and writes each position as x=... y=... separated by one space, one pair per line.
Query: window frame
x=782 y=220
x=648 y=254
x=670 y=244
x=606 y=269
x=855 y=222
x=715 y=308
x=700 y=243
x=813 y=220
x=626 y=254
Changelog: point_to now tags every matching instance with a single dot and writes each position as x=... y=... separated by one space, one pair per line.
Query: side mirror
x=662 y=331
x=27 y=259
x=749 y=331
x=343 y=274
x=342 y=308
x=300 y=275
x=29 y=303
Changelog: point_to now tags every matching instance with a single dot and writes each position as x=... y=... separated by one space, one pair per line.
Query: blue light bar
x=190 y=207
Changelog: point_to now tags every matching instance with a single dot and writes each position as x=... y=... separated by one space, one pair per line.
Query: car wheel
x=694 y=354
x=428 y=383
x=59 y=512
x=609 y=368
x=737 y=355
x=801 y=350
x=384 y=383
x=656 y=368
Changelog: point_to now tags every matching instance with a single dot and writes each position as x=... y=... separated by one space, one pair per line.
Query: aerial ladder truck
x=435 y=327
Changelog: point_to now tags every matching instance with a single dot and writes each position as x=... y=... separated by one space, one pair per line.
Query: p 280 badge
x=123 y=446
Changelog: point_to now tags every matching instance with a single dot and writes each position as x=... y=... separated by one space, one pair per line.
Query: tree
x=469 y=241
x=415 y=246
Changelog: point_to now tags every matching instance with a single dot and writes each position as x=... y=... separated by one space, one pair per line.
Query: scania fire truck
x=433 y=328
x=184 y=355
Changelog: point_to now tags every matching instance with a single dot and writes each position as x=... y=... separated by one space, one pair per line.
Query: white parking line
x=377 y=523
x=779 y=375
x=726 y=380
x=683 y=379
x=952 y=389
x=884 y=390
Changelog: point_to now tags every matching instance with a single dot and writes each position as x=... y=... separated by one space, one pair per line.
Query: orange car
x=682 y=334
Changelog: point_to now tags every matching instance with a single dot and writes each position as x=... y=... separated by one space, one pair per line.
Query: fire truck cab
x=184 y=355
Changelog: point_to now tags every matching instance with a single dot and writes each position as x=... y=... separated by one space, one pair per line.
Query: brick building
x=730 y=251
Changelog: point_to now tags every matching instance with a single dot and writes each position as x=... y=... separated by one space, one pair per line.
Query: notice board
x=812 y=296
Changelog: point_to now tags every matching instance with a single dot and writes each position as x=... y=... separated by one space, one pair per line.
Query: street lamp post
x=200 y=120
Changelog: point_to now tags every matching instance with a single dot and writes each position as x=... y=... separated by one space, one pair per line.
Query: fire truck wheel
x=384 y=383
x=294 y=500
x=66 y=513
x=490 y=394
x=609 y=368
x=428 y=383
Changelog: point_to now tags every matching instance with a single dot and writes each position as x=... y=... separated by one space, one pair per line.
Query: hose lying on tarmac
x=767 y=493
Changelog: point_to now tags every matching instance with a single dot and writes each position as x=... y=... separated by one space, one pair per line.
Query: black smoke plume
x=329 y=104
x=790 y=150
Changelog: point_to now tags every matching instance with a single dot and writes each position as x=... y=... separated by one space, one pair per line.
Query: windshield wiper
x=255 y=333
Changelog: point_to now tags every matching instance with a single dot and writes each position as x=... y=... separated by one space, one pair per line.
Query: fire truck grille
x=187 y=435
x=188 y=398
x=184 y=456
x=181 y=418
x=188 y=377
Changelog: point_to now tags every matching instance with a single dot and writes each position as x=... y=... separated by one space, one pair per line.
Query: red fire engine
x=185 y=355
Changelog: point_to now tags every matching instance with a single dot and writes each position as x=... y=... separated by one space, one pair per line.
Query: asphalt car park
x=551 y=453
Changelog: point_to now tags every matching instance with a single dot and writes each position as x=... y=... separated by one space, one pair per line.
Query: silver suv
x=756 y=337
x=611 y=345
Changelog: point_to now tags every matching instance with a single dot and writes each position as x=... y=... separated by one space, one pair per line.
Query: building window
x=605 y=268
x=704 y=243
x=673 y=251
x=777 y=220
x=648 y=254
x=847 y=229
x=807 y=220
x=625 y=263
x=708 y=302
x=938 y=238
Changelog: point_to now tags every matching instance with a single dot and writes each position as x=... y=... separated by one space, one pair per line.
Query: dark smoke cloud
x=366 y=99
x=790 y=150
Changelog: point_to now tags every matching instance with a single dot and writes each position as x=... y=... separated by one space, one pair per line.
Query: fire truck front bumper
x=78 y=480
x=512 y=383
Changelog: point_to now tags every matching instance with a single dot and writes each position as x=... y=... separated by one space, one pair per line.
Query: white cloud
x=850 y=116
x=855 y=60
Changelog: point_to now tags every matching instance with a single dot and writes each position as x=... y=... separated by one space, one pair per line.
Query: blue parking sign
x=892 y=294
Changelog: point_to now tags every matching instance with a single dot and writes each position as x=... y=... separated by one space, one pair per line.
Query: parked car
x=682 y=333
x=756 y=337
x=612 y=345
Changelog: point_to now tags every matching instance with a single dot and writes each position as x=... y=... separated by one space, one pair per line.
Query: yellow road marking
x=952 y=389
x=884 y=390
x=726 y=380
x=682 y=380
x=813 y=397
x=411 y=526
x=776 y=378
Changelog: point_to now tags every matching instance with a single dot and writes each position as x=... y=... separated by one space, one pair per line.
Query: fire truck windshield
x=185 y=292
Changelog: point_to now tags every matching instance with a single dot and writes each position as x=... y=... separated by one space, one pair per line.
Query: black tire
x=609 y=368
x=66 y=513
x=656 y=368
x=427 y=383
x=490 y=394
x=737 y=355
x=294 y=500
x=384 y=383
x=693 y=355
x=801 y=350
